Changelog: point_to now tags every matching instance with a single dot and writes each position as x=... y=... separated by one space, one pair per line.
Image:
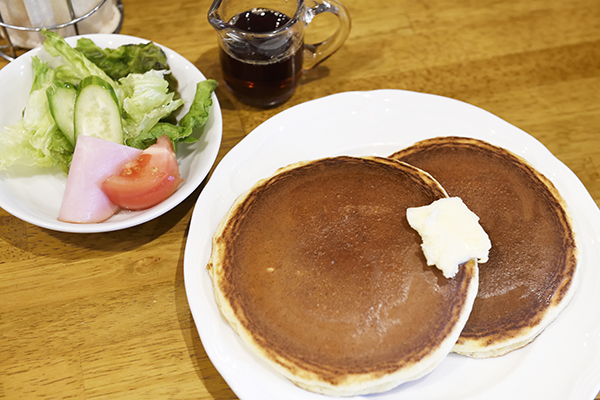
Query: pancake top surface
x=319 y=266
x=533 y=256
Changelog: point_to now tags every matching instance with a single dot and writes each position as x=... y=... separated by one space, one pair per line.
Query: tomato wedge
x=147 y=180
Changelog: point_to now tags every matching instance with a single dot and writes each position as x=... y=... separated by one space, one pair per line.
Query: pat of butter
x=451 y=234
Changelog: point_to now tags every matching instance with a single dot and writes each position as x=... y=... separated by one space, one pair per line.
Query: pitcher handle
x=314 y=54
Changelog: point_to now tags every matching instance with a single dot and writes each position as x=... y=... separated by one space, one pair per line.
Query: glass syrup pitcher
x=262 y=49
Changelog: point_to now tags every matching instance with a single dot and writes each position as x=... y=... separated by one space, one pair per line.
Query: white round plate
x=562 y=363
x=35 y=194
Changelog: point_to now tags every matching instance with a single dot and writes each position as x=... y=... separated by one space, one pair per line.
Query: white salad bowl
x=35 y=194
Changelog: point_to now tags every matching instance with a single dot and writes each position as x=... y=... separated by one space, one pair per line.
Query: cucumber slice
x=61 y=98
x=97 y=112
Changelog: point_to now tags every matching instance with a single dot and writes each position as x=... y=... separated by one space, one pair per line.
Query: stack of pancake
x=318 y=271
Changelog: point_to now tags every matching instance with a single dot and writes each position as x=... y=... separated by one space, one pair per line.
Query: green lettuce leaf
x=77 y=66
x=35 y=139
x=147 y=101
x=128 y=59
x=200 y=107
x=192 y=122
x=43 y=74
x=16 y=148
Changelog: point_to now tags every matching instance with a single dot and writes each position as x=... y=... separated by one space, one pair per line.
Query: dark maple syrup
x=261 y=77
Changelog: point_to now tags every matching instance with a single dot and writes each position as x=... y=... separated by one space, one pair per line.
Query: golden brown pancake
x=529 y=277
x=318 y=271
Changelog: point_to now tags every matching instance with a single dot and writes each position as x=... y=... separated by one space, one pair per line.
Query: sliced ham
x=94 y=160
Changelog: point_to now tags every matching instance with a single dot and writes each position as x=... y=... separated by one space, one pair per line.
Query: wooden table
x=106 y=315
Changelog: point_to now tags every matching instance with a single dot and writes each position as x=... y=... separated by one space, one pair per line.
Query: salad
x=126 y=96
x=130 y=88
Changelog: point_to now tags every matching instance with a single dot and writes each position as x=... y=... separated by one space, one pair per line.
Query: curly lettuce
x=128 y=59
x=193 y=121
x=77 y=66
x=147 y=101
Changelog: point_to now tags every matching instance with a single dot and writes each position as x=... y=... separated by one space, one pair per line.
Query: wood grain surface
x=105 y=316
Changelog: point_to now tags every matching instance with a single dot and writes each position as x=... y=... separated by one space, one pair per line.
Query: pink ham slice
x=94 y=160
